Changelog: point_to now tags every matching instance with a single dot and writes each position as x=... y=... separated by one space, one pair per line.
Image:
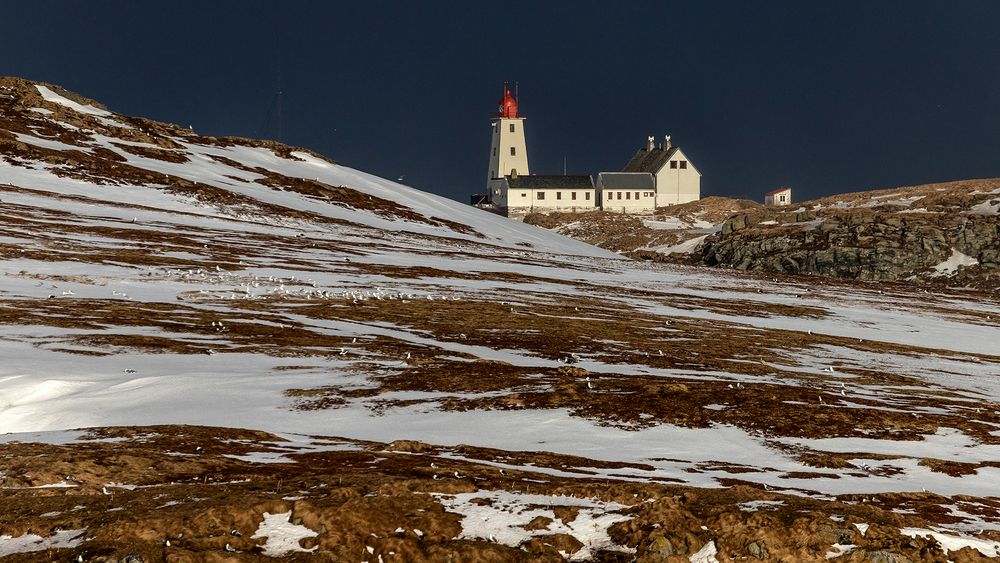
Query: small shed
x=780 y=196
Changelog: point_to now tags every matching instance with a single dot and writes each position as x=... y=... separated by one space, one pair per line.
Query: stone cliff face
x=952 y=240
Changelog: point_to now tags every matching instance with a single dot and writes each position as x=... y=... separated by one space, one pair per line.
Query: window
x=782 y=198
x=586 y=196
x=608 y=196
x=524 y=194
x=684 y=164
x=628 y=195
x=673 y=164
x=636 y=195
x=513 y=151
x=494 y=151
x=558 y=195
x=573 y=196
x=541 y=195
x=619 y=195
x=511 y=127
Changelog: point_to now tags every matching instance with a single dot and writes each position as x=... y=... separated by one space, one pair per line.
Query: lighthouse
x=508 y=153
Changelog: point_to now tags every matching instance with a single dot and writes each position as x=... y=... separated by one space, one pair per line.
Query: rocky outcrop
x=877 y=244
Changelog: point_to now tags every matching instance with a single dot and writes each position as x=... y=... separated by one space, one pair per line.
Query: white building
x=780 y=196
x=517 y=195
x=626 y=192
x=675 y=176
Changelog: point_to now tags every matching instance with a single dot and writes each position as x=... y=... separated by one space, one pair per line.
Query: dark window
x=684 y=164
x=619 y=195
x=673 y=164
x=494 y=151
x=558 y=195
x=609 y=196
x=782 y=198
x=636 y=195
x=511 y=127
x=524 y=195
x=541 y=195
x=628 y=195
x=573 y=196
x=513 y=151
x=586 y=196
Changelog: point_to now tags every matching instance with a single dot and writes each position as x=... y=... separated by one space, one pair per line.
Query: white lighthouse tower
x=508 y=153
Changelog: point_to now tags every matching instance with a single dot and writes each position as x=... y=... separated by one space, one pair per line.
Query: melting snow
x=62 y=539
x=504 y=518
x=951 y=542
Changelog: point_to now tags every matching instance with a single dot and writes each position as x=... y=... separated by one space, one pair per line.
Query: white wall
x=522 y=202
x=628 y=201
x=677 y=185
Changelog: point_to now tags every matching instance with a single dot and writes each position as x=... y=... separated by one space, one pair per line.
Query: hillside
x=671 y=234
x=221 y=349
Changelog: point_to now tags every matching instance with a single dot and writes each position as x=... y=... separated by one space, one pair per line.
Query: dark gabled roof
x=537 y=182
x=626 y=180
x=649 y=161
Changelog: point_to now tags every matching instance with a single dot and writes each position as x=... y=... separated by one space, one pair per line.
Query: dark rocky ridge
x=854 y=239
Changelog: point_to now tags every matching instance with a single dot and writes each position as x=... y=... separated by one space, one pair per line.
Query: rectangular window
x=636 y=195
x=608 y=196
x=586 y=196
x=573 y=196
x=511 y=127
x=673 y=164
x=558 y=195
x=619 y=195
x=541 y=195
x=684 y=164
x=628 y=195
x=494 y=151
x=524 y=195
x=782 y=198
x=513 y=151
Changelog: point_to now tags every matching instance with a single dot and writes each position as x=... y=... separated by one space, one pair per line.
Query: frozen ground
x=131 y=304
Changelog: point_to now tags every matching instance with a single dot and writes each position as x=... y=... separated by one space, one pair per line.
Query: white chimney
x=666 y=143
x=649 y=144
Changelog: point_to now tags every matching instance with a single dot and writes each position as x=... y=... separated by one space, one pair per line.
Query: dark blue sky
x=823 y=96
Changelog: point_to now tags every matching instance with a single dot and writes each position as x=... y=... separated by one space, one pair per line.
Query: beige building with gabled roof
x=675 y=176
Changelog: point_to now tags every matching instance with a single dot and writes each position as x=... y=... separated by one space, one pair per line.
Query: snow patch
x=951 y=265
x=503 y=519
x=63 y=539
x=283 y=537
x=706 y=554
x=50 y=96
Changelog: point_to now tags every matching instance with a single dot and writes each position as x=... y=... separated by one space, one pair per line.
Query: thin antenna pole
x=564 y=165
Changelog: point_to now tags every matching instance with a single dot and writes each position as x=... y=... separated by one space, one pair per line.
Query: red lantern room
x=508 y=105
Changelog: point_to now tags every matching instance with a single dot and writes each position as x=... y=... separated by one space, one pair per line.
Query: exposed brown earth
x=176 y=494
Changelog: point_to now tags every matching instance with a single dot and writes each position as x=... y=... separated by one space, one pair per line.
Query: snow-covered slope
x=151 y=276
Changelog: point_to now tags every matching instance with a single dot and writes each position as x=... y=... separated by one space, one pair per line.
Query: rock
x=757 y=550
x=883 y=556
x=659 y=549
